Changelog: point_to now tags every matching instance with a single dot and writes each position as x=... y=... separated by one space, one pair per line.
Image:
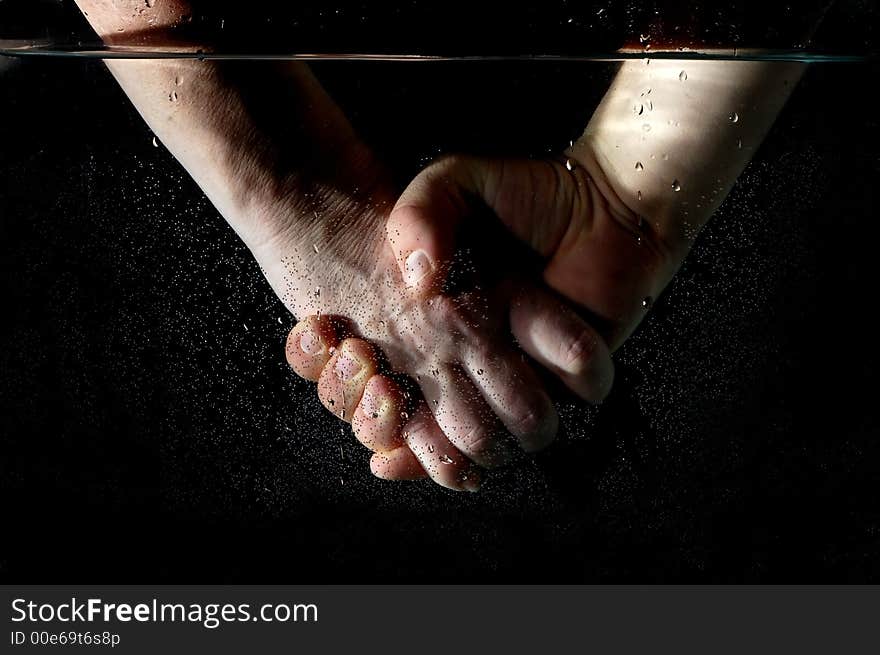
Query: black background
x=153 y=433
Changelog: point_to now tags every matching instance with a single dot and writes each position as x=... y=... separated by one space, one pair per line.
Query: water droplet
x=479 y=371
x=404 y=415
x=173 y=97
x=646 y=127
x=639 y=194
x=245 y=327
x=682 y=76
x=446 y=459
x=569 y=165
x=638 y=109
x=665 y=156
x=643 y=38
x=639 y=166
x=375 y=414
x=676 y=185
x=639 y=240
x=734 y=117
x=150 y=3
x=315 y=248
x=647 y=301
x=650 y=106
x=739 y=144
x=178 y=81
x=430 y=448
x=155 y=142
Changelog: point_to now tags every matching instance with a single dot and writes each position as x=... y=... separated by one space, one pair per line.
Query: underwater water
x=147 y=403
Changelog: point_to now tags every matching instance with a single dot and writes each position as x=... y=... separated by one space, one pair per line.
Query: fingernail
x=417 y=266
x=346 y=367
x=310 y=343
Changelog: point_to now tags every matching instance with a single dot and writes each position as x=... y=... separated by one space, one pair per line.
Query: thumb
x=422 y=226
x=534 y=199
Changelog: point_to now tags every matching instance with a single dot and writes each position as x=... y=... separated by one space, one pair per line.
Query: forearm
x=250 y=135
x=671 y=137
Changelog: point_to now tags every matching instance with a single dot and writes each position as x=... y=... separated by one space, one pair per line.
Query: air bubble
x=173 y=97
x=479 y=371
x=569 y=165
x=430 y=448
x=446 y=459
x=639 y=166
x=676 y=185
x=639 y=194
x=734 y=117
x=647 y=301
x=150 y=3
x=315 y=248
x=682 y=76
x=646 y=127
x=155 y=142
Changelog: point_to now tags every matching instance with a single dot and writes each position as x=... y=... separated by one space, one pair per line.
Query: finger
x=514 y=393
x=464 y=417
x=561 y=341
x=442 y=461
x=421 y=228
x=341 y=383
x=397 y=464
x=309 y=346
x=377 y=419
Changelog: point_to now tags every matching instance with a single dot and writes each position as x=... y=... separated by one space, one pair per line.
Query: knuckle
x=445 y=164
x=535 y=426
x=485 y=447
x=527 y=422
x=577 y=352
x=477 y=440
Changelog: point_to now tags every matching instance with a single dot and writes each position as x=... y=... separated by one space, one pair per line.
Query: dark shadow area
x=153 y=433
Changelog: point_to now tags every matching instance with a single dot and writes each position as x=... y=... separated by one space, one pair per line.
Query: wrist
x=670 y=138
